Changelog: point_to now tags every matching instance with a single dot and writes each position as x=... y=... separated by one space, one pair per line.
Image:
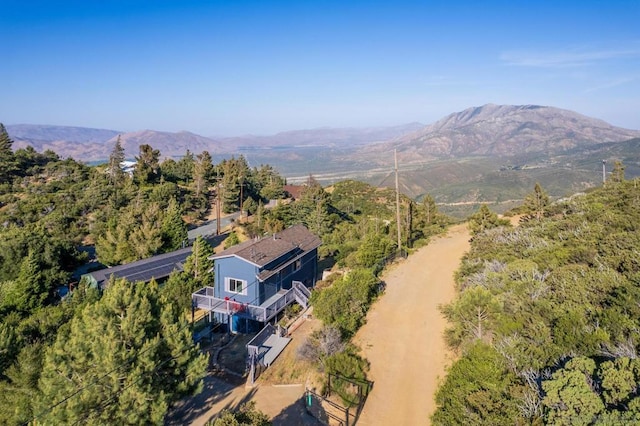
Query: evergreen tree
x=537 y=202
x=313 y=208
x=19 y=391
x=8 y=163
x=617 y=174
x=485 y=219
x=202 y=173
x=30 y=290
x=174 y=230
x=147 y=165
x=198 y=265
x=146 y=238
x=116 y=175
x=123 y=360
x=428 y=209
x=185 y=167
x=234 y=174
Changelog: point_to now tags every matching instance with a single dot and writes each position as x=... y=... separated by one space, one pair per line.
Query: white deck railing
x=204 y=299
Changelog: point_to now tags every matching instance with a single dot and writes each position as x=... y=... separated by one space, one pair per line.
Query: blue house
x=257 y=279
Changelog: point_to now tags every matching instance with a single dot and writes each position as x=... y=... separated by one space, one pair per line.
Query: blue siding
x=233 y=267
x=258 y=292
x=306 y=274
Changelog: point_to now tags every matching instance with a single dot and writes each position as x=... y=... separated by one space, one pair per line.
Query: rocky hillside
x=502 y=131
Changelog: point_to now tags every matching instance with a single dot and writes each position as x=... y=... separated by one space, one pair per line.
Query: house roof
x=263 y=251
x=294 y=190
x=158 y=267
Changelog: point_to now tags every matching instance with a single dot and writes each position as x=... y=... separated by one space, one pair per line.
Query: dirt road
x=403 y=338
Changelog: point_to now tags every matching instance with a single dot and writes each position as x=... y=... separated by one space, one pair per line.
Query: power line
x=114 y=396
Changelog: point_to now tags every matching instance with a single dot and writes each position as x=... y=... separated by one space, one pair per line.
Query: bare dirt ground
x=278 y=392
x=403 y=337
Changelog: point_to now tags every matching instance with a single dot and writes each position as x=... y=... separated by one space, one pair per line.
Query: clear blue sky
x=238 y=67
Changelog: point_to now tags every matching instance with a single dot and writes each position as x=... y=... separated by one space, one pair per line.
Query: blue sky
x=222 y=68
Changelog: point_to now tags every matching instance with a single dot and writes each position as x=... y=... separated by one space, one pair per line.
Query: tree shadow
x=189 y=409
x=298 y=414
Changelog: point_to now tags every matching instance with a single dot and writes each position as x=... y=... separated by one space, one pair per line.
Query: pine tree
x=313 y=208
x=429 y=209
x=8 y=164
x=122 y=360
x=537 y=202
x=485 y=219
x=19 y=390
x=147 y=165
x=198 y=265
x=202 y=173
x=146 y=237
x=174 y=230
x=29 y=291
x=185 y=167
x=116 y=175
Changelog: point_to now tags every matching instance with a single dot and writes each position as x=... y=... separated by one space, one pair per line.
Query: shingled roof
x=263 y=251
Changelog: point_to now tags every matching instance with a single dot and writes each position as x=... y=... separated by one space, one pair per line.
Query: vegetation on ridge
x=546 y=318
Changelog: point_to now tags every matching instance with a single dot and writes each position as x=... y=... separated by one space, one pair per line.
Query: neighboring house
x=157 y=267
x=257 y=279
x=294 y=191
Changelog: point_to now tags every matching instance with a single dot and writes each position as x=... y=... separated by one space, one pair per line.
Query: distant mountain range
x=492 y=153
x=96 y=144
x=498 y=130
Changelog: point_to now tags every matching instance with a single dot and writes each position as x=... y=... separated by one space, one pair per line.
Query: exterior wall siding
x=233 y=267
x=258 y=292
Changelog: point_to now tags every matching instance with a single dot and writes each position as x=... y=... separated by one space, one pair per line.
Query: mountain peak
x=504 y=130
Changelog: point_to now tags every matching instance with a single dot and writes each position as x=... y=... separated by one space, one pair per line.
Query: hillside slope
x=502 y=130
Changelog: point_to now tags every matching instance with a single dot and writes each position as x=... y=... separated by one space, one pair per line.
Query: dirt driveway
x=402 y=338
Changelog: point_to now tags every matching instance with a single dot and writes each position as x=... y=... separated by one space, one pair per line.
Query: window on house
x=298 y=265
x=234 y=285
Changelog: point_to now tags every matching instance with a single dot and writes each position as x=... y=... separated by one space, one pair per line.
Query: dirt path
x=402 y=338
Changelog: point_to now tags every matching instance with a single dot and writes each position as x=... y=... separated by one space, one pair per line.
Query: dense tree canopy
x=136 y=351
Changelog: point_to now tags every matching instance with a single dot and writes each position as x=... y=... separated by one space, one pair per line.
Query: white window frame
x=227 y=286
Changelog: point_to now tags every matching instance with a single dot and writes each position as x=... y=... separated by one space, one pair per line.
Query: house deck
x=271 y=348
x=204 y=299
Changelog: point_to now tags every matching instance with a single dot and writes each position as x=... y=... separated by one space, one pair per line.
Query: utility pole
x=217 y=202
x=395 y=157
x=241 y=187
x=604 y=173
